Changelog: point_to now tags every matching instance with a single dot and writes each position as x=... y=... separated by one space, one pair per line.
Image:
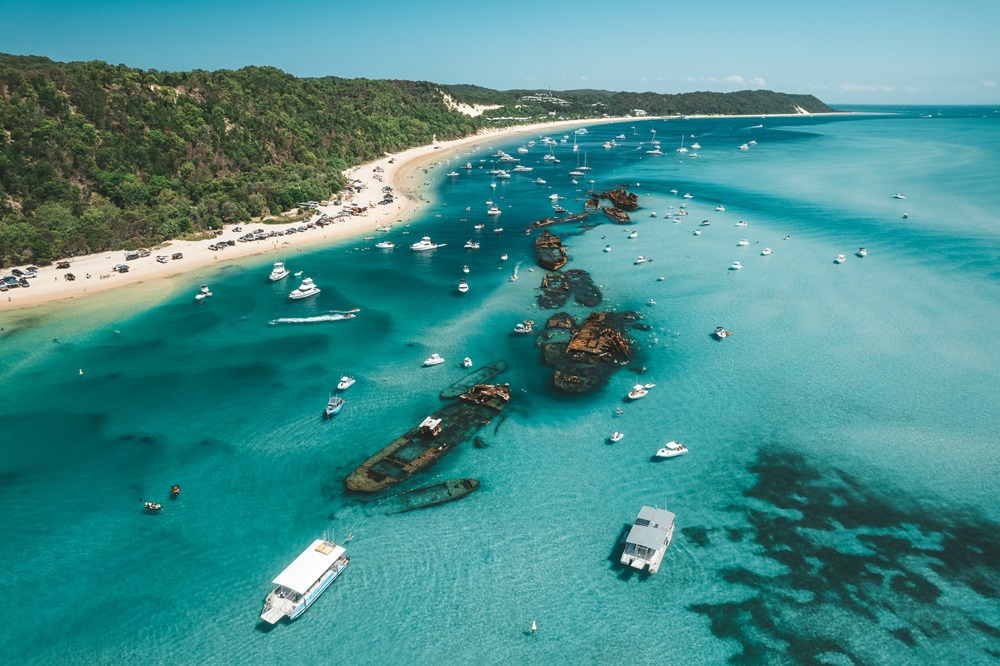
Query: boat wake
x=333 y=315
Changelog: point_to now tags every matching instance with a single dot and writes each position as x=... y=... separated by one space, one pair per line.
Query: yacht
x=648 y=540
x=720 y=208
x=452 y=173
x=463 y=286
x=346 y=382
x=744 y=146
x=576 y=173
x=334 y=406
x=279 y=272
x=688 y=195
x=385 y=245
x=862 y=252
x=493 y=210
x=502 y=175
x=721 y=333
x=520 y=168
x=743 y=242
x=840 y=259
x=741 y=223
x=471 y=245
x=539 y=181
x=765 y=252
x=671 y=449
x=425 y=243
x=203 y=293
x=736 y=266
x=695 y=146
x=434 y=360
x=301 y=583
x=640 y=259
x=306 y=289
x=898 y=196
x=616 y=436
x=638 y=391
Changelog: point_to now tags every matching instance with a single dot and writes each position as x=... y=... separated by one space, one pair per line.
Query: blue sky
x=872 y=51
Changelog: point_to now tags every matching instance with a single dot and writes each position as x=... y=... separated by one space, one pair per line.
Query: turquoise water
x=838 y=502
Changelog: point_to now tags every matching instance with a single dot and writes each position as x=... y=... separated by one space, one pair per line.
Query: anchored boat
x=302 y=581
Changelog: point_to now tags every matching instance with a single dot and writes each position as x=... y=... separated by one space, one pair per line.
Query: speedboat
x=704 y=223
x=385 y=245
x=736 y=266
x=334 y=406
x=840 y=259
x=862 y=252
x=721 y=333
x=297 y=274
x=743 y=242
x=741 y=223
x=720 y=208
x=346 y=382
x=653 y=214
x=688 y=196
x=152 y=507
x=898 y=196
x=744 y=146
x=634 y=234
x=471 y=245
x=638 y=391
x=660 y=279
x=467 y=363
x=306 y=289
x=479 y=227
x=493 y=210
x=463 y=286
x=766 y=252
x=607 y=248
x=616 y=436
x=452 y=173
x=539 y=181
x=203 y=293
x=671 y=449
x=278 y=273
x=434 y=359
x=697 y=232
x=651 y=302
x=640 y=259
x=425 y=243
x=503 y=257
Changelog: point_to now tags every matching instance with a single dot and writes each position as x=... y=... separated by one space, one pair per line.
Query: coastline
x=50 y=287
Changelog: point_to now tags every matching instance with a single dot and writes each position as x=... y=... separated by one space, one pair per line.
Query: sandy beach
x=94 y=273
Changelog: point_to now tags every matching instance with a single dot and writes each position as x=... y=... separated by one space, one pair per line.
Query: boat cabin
x=648 y=539
x=430 y=427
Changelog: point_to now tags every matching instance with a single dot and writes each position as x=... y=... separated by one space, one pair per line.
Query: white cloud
x=758 y=81
x=584 y=78
x=849 y=86
x=732 y=79
x=986 y=83
x=643 y=79
x=735 y=78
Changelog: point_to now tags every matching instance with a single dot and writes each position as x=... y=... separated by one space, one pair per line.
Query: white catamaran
x=302 y=581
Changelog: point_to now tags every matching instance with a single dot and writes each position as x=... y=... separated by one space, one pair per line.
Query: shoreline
x=94 y=273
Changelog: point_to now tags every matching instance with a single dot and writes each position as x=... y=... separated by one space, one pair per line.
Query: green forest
x=95 y=156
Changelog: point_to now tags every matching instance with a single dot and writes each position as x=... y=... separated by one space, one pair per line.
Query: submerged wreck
x=480 y=376
x=620 y=198
x=617 y=216
x=549 y=221
x=431 y=439
x=584 y=356
x=556 y=289
x=549 y=251
x=432 y=495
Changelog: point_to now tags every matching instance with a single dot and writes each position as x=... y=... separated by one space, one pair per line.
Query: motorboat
x=425 y=243
x=696 y=232
x=503 y=257
x=539 y=181
x=279 y=272
x=720 y=208
x=175 y=490
x=744 y=146
x=297 y=274
x=661 y=279
x=434 y=359
x=752 y=143
x=382 y=227
x=345 y=383
x=467 y=362
x=741 y=223
x=479 y=227
x=704 y=223
x=607 y=248
x=840 y=259
x=465 y=269
x=695 y=146
x=152 y=507
x=493 y=210
x=452 y=173
x=498 y=230
x=743 y=242
x=385 y=245
x=638 y=391
x=634 y=234
x=306 y=289
x=648 y=539
x=671 y=449
x=652 y=214
x=334 y=406
x=524 y=327
x=721 y=333
x=471 y=245
x=463 y=286
x=862 y=252
x=520 y=168
x=616 y=436
x=640 y=259
x=203 y=293
x=688 y=196
x=651 y=302
x=554 y=197
x=765 y=252
x=898 y=196
x=736 y=266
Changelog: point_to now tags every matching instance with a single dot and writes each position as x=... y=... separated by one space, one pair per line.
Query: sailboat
x=584 y=167
x=551 y=156
x=575 y=147
x=682 y=149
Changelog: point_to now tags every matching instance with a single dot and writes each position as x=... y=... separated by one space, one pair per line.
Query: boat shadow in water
x=625 y=573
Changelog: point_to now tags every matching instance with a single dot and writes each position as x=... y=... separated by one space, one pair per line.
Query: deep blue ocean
x=838 y=504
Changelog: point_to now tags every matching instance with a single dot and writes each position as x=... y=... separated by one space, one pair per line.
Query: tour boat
x=671 y=449
x=346 y=382
x=425 y=243
x=736 y=266
x=385 y=245
x=279 y=272
x=766 y=252
x=203 y=293
x=638 y=391
x=334 y=406
x=306 y=289
x=648 y=540
x=743 y=242
x=463 y=286
x=840 y=259
x=434 y=359
x=616 y=436
x=302 y=581
x=721 y=333
x=862 y=252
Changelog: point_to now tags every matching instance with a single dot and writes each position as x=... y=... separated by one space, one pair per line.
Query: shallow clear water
x=838 y=500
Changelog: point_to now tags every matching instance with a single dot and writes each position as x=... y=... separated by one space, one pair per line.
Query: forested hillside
x=96 y=156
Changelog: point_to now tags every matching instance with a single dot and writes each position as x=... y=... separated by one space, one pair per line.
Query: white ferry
x=648 y=539
x=302 y=581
